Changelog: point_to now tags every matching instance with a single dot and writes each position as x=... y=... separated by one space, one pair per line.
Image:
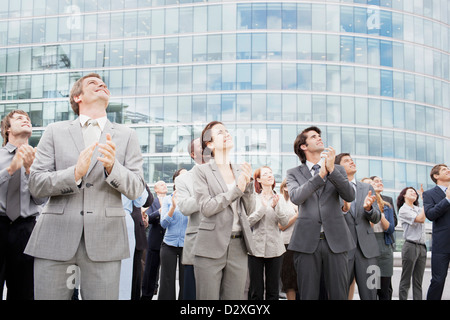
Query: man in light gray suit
x=359 y=214
x=321 y=238
x=188 y=206
x=83 y=222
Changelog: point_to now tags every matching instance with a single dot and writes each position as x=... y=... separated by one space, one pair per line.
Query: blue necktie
x=316 y=169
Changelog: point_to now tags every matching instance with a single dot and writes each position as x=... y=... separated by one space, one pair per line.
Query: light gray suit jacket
x=319 y=204
x=358 y=221
x=95 y=208
x=189 y=207
x=214 y=200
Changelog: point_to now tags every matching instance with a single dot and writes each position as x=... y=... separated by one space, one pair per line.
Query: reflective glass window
x=304 y=47
x=304 y=16
x=333 y=109
x=274 y=16
x=244 y=77
x=421 y=148
x=274 y=46
x=214 y=18
x=259 y=107
x=319 y=109
x=386 y=83
x=228 y=107
x=360 y=20
x=333 y=78
x=375 y=112
x=214 y=47
x=214 y=77
x=228 y=76
x=361 y=111
x=289 y=76
x=347 y=49
x=347 y=79
x=399 y=145
x=289 y=105
x=333 y=48
x=361 y=50
x=289 y=46
x=244 y=16
x=304 y=107
x=274 y=81
x=388 y=177
x=258 y=16
x=243 y=47
x=318 y=17
x=347 y=23
x=213 y=107
x=274 y=107
x=259 y=46
x=199 y=48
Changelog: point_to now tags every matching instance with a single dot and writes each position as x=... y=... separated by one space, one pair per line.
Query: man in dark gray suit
x=359 y=214
x=321 y=238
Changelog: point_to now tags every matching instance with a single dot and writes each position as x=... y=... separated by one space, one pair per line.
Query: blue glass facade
x=374 y=75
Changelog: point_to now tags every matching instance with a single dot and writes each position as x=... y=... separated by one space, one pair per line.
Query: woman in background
x=265 y=262
x=384 y=231
x=175 y=224
x=414 y=250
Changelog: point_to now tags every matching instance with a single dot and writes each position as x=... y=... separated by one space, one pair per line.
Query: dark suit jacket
x=319 y=204
x=156 y=232
x=139 y=227
x=437 y=209
x=358 y=221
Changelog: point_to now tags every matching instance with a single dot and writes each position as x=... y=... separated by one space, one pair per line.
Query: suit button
x=88 y=185
x=82 y=212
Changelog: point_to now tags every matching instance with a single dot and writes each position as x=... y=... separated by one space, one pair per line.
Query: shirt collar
x=101 y=121
x=310 y=164
x=10 y=147
x=442 y=188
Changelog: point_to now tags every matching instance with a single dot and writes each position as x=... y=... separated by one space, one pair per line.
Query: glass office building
x=372 y=74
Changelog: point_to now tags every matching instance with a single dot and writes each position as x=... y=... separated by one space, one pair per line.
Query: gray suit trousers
x=55 y=280
x=223 y=278
x=309 y=267
x=358 y=267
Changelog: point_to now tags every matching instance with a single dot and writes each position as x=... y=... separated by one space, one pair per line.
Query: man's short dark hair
x=339 y=157
x=435 y=170
x=6 y=124
x=301 y=140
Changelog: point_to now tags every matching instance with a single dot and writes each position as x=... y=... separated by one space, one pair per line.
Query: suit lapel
x=218 y=175
x=109 y=128
x=77 y=135
x=440 y=192
x=356 y=203
x=304 y=170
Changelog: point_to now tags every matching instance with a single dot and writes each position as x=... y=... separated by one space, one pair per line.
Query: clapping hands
x=245 y=176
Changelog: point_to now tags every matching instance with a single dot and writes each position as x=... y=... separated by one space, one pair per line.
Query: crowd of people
x=79 y=199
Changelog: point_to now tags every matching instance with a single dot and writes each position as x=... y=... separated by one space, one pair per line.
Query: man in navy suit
x=155 y=237
x=437 y=209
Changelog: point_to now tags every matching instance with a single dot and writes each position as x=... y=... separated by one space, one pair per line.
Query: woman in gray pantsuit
x=414 y=250
x=224 y=192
